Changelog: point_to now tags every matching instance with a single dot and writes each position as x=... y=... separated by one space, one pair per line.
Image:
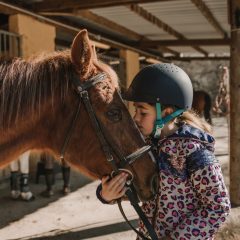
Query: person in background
x=48 y=162
x=192 y=201
x=19 y=178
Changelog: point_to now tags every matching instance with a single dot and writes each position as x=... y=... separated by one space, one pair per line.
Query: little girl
x=192 y=201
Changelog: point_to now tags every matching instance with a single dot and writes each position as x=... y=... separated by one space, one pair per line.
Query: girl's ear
x=167 y=111
x=81 y=52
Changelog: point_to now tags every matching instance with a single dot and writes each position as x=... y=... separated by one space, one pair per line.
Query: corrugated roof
x=181 y=20
x=126 y=18
x=182 y=16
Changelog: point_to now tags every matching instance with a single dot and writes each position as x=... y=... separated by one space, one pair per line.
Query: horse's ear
x=81 y=52
x=94 y=52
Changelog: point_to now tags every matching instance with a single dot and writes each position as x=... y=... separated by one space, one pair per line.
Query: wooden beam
x=6 y=11
x=116 y=27
x=156 y=21
x=75 y=29
x=132 y=67
x=53 y=5
x=209 y=16
x=186 y=42
x=234 y=104
x=217 y=58
x=167 y=50
x=108 y=24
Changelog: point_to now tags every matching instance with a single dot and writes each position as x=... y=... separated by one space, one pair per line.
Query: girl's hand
x=113 y=188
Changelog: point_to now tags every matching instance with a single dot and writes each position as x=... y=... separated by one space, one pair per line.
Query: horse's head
x=84 y=149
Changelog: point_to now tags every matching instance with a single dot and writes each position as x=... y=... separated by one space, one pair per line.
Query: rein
x=108 y=149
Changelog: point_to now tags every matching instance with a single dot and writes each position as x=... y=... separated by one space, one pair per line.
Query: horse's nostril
x=155 y=183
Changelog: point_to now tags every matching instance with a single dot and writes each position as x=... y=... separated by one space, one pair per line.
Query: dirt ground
x=81 y=216
x=14 y=210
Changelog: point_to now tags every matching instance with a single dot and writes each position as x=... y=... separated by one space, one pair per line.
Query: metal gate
x=10 y=44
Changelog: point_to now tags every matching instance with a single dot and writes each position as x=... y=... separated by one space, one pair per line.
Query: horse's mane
x=26 y=84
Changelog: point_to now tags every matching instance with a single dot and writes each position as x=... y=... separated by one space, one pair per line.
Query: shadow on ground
x=90 y=232
x=13 y=210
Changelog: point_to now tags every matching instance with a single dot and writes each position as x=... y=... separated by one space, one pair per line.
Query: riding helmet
x=165 y=83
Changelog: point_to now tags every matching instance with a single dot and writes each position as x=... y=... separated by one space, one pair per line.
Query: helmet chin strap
x=160 y=122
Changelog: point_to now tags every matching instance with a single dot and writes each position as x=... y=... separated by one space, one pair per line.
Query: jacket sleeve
x=214 y=205
x=99 y=195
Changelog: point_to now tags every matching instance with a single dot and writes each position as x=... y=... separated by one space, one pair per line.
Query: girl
x=192 y=201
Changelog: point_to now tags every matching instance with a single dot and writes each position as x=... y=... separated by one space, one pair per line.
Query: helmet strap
x=160 y=122
x=158 y=125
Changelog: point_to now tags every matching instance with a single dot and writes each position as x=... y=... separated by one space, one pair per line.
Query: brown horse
x=38 y=102
x=202 y=104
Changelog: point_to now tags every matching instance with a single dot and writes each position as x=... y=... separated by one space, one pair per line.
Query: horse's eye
x=114 y=115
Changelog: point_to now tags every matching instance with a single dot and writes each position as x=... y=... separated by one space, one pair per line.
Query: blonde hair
x=192 y=118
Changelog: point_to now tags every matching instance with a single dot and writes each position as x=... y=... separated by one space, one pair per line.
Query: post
x=132 y=67
x=36 y=36
x=234 y=14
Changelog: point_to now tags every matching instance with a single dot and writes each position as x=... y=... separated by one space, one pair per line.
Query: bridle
x=108 y=148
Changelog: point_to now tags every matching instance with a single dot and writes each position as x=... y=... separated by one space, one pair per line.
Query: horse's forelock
x=109 y=71
x=107 y=87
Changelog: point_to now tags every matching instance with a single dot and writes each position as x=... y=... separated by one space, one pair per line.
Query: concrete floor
x=79 y=215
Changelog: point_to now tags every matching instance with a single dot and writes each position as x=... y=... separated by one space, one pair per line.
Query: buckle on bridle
x=129 y=181
x=134 y=156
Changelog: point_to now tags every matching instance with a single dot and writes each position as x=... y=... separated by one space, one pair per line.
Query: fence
x=10 y=44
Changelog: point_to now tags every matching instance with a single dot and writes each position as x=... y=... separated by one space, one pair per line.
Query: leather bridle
x=108 y=148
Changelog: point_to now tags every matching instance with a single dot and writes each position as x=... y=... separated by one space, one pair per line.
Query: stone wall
x=204 y=74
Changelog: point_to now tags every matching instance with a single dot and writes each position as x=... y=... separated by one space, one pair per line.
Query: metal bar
x=198 y=58
x=9 y=33
x=4 y=45
x=9 y=44
x=186 y=42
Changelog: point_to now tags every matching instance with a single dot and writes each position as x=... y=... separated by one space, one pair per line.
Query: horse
x=202 y=104
x=41 y=109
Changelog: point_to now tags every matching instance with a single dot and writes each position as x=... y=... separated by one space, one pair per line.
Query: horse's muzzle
x=155 y=183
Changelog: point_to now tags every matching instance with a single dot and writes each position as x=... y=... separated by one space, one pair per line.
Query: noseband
x=108 y=149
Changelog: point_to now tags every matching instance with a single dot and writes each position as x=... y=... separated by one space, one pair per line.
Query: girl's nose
x=136 y=118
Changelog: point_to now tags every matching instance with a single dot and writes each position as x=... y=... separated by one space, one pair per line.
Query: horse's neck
x=25 y=133
x=17 y=139
x=24 y=109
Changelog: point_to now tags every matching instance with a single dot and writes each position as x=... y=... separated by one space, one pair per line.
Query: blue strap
x=172 y=115
x=160 y=122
